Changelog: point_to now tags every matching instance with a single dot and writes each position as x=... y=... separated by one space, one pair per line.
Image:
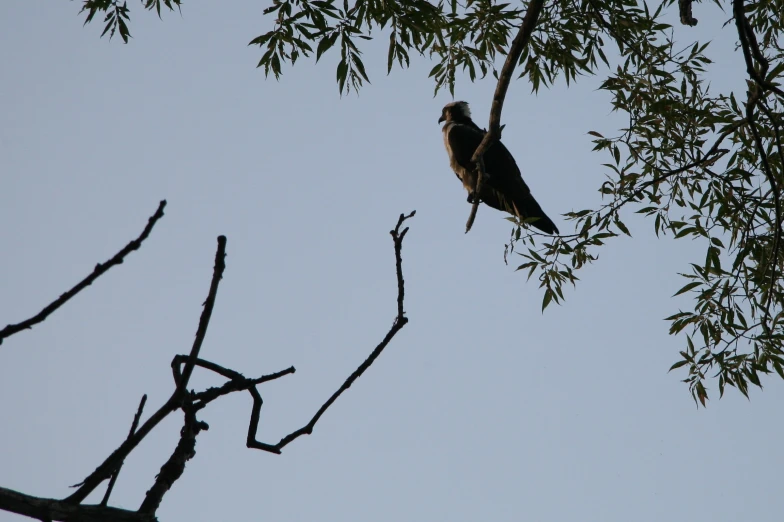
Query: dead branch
x=204 y=320
x=175 y=466
x=99 y=270
x=114 y=460
x=190 y=402
x=53 y=509
x=400 y=321
x=134 y=425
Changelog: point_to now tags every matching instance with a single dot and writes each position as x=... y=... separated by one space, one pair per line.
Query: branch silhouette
x=504 y=79
x=100 y=269
x=188 y=401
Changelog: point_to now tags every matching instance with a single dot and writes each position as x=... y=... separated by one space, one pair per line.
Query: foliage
x=699 y=165
x=117 y=16
x=669 y=165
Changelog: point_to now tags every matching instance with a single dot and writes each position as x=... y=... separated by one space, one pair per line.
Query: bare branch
x=236 y=385
x=175 y=466
x=400 y=321
x=397 y=237
x=134 y=425
x=71 y=509
x=53 y=509
x=114 y=460
x=493 y=134
x=204 y=320
x=237 y=381
x=99 y=270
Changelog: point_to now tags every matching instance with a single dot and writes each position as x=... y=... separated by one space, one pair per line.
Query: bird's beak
x=441 y=119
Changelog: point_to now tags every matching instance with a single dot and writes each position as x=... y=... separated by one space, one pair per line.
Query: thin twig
x=134 y=425
x=204 y=320
x=99 y=270
x=493 y=134
x=179 y=360
x=397 y=237
x=400 y=321
x=209 y=395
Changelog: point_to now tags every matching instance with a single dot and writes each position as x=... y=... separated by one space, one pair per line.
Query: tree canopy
x=698 y=164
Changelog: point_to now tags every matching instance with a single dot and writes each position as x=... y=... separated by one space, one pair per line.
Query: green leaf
x=342 y=71
x=688 y=287
x=622 y=227
x=677 y=365
x=391 y=53
x=360 y=67
x=261 y=40
x=702 y=394
x=548 y=296
x=325 y=43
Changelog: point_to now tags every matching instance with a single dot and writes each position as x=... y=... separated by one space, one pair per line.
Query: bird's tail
x=527 y=207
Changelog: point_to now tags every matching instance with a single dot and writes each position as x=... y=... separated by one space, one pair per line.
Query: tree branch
x=237 y=381
x=114 y=460
x=134 y=425
x=241 y=384
x=493 y=134
x=53 y=509
x=175 y=466
x=99 y=270
x=204 y=320
x=684 y=9
x=400 y=321
x=750 y=47
x=71 y=509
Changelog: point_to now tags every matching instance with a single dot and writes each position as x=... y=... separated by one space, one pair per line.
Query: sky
x=482 y=408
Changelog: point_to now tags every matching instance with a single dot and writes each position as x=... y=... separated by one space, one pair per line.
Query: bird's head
x=455 y=111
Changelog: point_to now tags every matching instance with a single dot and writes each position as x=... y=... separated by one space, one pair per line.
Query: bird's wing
x=502 y=171
x=509 y=191
x=463 y=141
x=504 y=188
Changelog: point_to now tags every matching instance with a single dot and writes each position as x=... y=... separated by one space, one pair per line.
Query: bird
x=503 y=187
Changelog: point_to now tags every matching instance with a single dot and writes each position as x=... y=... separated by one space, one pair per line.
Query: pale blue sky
x=483 y=408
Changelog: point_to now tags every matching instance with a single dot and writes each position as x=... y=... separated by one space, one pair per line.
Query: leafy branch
x=118 y=15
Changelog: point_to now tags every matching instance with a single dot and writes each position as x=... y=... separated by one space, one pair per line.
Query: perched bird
x=503 y=187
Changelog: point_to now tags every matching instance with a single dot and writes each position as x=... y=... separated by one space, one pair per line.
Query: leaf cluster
x=701 y=166
x=117 y=15
x=458 y=37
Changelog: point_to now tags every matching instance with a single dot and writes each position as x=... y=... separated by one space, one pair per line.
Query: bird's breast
x=445 y=131
x=466 y=176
